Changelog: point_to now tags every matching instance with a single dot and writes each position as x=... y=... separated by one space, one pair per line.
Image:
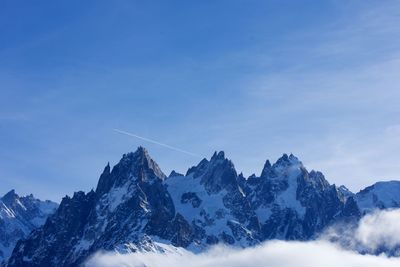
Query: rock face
x=136 y=207
x=18 y=217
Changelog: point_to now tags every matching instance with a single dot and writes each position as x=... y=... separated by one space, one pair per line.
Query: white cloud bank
x=374 y=230
x=379 y=229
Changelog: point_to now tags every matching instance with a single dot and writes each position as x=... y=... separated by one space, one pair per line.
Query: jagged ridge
x=135 y=206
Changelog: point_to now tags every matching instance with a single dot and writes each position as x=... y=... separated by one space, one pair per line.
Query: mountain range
x=136 y=207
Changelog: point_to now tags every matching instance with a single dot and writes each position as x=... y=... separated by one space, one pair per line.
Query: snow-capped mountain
x=18 y=217
x=137 y=207
x=381 y=195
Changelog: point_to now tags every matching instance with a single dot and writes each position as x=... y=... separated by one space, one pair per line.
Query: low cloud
x=273 y=253
x=373 y=231
x=379 y=229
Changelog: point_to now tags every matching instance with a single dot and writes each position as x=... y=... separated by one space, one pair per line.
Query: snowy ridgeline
x=135 y=207
x=18 y=217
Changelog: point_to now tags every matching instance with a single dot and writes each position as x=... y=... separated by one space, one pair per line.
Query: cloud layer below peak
x=374 y=230
x=272 y=253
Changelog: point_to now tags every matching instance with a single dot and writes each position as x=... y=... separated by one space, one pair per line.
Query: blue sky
x=256 y=79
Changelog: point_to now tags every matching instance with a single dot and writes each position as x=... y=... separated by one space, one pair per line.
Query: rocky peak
x=105 y=181
x=10 y=197
x=218 y=156
x=140 y=163
x=286 y=161
x=219 y=173
x=134 y=166
x=107 y=169
x=174 y=173
x=216 y=174
x=281 y=168
x=199 y=169
x=267 y=169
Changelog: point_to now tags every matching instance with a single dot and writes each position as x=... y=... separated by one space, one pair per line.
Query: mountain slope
x=294 y=204
x=136 y=207
x=18 y=217
x=381 y=195
x=212 y=205
x=130 y=203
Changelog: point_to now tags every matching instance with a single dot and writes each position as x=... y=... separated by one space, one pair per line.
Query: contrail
x=157 y=143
